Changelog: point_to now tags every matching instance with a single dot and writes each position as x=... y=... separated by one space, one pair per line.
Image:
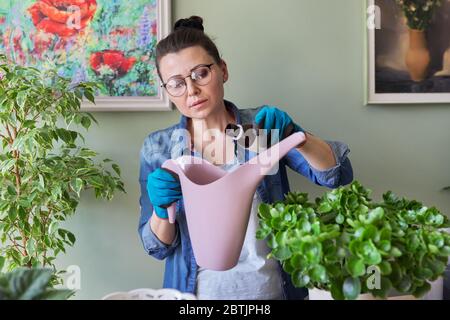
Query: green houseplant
x=332 y=243
x=30 y=284
x=43 y=166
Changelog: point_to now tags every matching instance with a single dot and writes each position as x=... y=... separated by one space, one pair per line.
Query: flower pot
x=418 y=56
x=436 y=293
x=317 y=294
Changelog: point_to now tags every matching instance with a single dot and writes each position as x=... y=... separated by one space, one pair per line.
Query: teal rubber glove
x=270 y=118
x=163 y=189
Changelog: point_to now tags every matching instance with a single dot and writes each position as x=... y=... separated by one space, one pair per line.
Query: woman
x=193 y=74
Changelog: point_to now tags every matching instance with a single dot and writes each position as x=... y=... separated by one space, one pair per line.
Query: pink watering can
x=218 y=203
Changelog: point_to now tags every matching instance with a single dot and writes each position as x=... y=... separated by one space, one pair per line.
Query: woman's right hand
x=163 y=189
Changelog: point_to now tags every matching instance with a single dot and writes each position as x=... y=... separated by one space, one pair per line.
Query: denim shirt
x=180 y=266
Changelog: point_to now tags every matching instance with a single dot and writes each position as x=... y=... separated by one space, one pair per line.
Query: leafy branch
x=43 y=166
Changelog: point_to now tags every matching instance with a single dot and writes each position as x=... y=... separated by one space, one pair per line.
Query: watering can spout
x=270 y=157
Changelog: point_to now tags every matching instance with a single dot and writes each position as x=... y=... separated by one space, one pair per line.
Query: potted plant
x=43 y=166
x=418 y=14
x=348 y=245
x=30 y=284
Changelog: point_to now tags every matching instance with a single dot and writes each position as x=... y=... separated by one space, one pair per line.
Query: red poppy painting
x=111 y=42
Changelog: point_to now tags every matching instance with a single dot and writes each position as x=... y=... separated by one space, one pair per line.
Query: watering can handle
x=171 y=208
x=172 y=212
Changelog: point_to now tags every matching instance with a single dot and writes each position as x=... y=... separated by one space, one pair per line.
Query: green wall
x=305 y=56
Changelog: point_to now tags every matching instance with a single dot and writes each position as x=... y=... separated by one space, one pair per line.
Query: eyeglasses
x=200 y=75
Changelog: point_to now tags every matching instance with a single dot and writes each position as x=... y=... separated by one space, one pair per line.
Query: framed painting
x=408 y=51
x=111 y=42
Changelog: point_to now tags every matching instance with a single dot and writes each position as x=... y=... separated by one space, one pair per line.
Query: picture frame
x=110 y=42
x=390 y=79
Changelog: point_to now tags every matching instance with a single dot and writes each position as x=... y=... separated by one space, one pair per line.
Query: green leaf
x=422 y=290
x=336 y=290
x=445 y=251
x=382 y=292
x=423 y=273
x=77 y=185
x=299 y=262
x=351 y=288
x=7 y=165
x=41 y=181
x=324 y=207
x=271 y=242
x=86 y=122
x=116 y=168
x=11 y=190
x=31 y=246
x=53 y=227
x=319 y=274
x=370 y=232
x=71 y=237
x=437 y=267
x=29 y=124
x=385 y=268
x=375 y=215
x=88 y=94
x=395 y=252
x=282 y=253
x=355 y=267
x=300 y=279
x=404 y=285
x=370 y=253
x=261 y=234
x=385 y=245
x=21 y=99
x=274 y=213
x=2 y=263
x=312 y=252
x=340 y=219
x=282 y=238
x=27 y=284
x=304 y=225
x=315 y=228
x=287 y=266
x=12 y=214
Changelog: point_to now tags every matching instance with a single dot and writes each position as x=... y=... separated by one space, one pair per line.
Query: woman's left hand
x=271 y=118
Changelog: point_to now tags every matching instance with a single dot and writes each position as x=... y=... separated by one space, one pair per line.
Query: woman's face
x=180 y=65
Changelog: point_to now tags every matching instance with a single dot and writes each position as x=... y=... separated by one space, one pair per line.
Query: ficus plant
x=44 y=165
x=344 y=238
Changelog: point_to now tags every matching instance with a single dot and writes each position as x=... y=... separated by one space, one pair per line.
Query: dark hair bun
x=194 y=22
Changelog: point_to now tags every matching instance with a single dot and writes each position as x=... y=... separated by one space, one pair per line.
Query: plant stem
x=16 y=154
x=44 y=223
x=16 y=245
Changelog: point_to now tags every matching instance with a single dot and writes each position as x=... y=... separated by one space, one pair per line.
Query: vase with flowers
x=418 y=14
